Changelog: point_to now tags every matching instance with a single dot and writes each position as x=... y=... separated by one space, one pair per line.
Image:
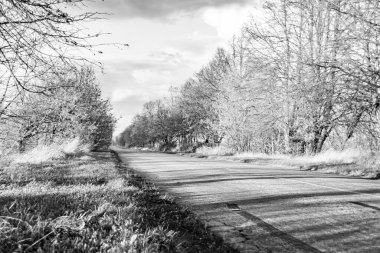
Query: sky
x=169 y=40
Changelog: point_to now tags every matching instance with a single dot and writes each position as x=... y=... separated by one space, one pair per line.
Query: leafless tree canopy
x=36 y=38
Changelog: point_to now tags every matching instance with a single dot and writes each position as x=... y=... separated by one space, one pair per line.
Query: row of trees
x=304 y=77
x=45 y=93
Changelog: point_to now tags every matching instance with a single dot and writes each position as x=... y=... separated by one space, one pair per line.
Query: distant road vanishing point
x=269 y=207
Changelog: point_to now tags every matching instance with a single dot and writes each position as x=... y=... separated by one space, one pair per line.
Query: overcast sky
x=169 y=41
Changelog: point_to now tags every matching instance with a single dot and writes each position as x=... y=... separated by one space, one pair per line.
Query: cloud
x=130 y=83
x=149 y=75
x=161 y=8
x=226 y=20
x=168 y=56
x=142 y=78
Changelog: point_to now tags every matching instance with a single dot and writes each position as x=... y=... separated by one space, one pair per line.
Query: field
x=92 y=203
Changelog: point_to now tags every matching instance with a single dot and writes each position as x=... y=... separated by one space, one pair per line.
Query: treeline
x=303 y=77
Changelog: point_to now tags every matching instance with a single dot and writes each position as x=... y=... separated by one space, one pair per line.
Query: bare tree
x=39 y=37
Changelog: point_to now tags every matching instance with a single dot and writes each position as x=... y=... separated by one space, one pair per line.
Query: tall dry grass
x=56 y=150
x=352 y=162
x=215 y=151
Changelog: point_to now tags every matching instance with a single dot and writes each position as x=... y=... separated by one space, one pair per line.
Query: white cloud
x=226 y=20
x=151 y=75
x=120 y=94
x=155 y=9
x=169 y=56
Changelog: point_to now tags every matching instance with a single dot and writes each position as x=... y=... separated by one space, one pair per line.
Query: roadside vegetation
x=299 y=79
x=350 y=162
x=89 y=202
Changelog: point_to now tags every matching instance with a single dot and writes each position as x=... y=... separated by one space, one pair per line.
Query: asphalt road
x=268 y=207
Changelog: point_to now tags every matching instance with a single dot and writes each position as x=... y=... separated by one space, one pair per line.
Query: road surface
x=268 y=207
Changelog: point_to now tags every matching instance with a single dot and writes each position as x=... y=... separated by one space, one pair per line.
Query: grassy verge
x=91 y=203
x=356 y=163
x=353 y=170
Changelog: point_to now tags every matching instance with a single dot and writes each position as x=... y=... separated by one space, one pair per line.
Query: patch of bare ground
x=92 y=203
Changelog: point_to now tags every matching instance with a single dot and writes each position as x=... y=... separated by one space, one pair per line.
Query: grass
x=92 y=203
x=59 y=149
x=215 y=151
x=357 y=163
x=350 y=162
